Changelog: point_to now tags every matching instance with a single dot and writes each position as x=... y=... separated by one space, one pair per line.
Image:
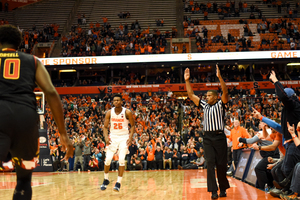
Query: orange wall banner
x=166 y=87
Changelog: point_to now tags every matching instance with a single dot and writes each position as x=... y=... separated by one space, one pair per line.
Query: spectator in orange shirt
x=227 y=5
x=220 y=11
x=207 y=49
x=264 y=75
x=104 y=21
x=121 y=27
x=91 y=25
x=161 y=49
x=208 y=5
x=205 y=15
x=234 y=136
x=291 y=13
x=252 y=92
x=191 y=2
x=56 y=35
x=245 y=5
x=283 y=32
x=279 y=6
x=193 y=9
x=150 y=155
x=149 y=49
x=97 y=25
x=275 y=44
x=26 y=39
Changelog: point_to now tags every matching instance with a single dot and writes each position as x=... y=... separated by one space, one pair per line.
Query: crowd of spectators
x=128 y=78
x=123 y=15
x=102 y=40
x=84 y=117
x=275 y=34
x=34 y=35
x=203 y=74
x=283 y=32
x=159 y=22
x=224 y=10
x=157 y=124
x=228 y=9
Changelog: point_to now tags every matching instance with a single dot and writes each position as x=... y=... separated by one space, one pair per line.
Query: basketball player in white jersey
x=120 y=138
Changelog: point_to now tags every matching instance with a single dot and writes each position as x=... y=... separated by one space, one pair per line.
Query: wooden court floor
x=140 y=185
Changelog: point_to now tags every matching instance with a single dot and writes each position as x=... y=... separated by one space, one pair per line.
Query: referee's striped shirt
x=213 y=116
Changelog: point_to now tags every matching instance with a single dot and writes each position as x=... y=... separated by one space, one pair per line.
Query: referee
x=214 y=139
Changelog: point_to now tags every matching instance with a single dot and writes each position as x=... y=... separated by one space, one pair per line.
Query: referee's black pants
x=215 y=149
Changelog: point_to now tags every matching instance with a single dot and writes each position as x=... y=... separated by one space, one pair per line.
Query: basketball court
x=156 y=185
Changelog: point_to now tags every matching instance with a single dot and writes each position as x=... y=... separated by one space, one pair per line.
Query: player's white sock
x=119 y=179
x=106 y=176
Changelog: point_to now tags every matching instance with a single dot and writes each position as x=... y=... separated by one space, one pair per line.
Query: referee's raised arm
x=223 y=86
x=189 y=89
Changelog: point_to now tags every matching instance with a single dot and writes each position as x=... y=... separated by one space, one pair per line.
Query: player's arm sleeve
x=250 y=140
x=272 y=124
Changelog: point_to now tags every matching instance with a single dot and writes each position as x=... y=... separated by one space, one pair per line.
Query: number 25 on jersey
x=11 y=68
x=118 y=126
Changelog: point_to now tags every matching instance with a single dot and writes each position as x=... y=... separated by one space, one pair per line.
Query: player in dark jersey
x=19 y=74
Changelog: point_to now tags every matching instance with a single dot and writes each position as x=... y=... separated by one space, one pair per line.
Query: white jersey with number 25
x=118 y=123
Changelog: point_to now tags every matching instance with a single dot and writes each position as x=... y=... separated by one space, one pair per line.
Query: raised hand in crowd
x=256 y=114
x=291 y=129
x=273 y=77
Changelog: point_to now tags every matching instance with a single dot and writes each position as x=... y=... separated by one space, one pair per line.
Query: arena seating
x=146 y=12
x=45 y=12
